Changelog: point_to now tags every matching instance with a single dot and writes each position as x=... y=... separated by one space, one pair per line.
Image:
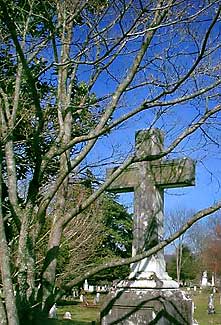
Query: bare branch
x=197 y=216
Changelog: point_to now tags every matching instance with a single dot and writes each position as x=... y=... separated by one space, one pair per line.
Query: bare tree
x=174 y=221
x=80 y=238
x=72 y=74
x=205 y=238
x=211 y=255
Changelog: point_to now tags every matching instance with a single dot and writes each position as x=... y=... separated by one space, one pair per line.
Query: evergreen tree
x=188 y=265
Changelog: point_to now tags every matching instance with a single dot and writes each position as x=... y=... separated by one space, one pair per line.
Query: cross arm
x=125 y=182
x=174 y=173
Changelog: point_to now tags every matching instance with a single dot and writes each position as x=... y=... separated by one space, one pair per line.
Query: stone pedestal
x=130 y=306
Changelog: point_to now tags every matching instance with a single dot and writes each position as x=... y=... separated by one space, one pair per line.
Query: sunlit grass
x=82 y=315
x=201 y=304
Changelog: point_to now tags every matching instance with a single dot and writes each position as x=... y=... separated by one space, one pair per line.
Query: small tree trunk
x=51 y=262
x=10 y=303
x=179 y=261
x=177 y=266
x=3 y=320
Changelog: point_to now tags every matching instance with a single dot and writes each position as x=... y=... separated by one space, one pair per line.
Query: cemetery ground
x=201 y=303
x=82 y=315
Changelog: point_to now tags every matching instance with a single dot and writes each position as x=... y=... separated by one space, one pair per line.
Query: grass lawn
x=201 y=315
x=80 y=314
x=87 y=315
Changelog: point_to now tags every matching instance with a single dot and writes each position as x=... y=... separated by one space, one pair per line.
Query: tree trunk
x=3 y=320
x=179 y=261
x=177 y=267
x=10 y=303
x=50 y=266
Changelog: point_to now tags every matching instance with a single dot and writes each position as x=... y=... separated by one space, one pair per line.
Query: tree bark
x=10 y=303
x=50 y=265
x=3 y=320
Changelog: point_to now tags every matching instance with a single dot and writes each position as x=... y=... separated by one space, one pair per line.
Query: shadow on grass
x=62 y=303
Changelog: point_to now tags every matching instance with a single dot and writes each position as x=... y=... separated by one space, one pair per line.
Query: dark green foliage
x=117 y=239
x=188 y=265
x=118 y=229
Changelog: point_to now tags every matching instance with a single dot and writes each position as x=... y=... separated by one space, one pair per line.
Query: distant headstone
x=97 y=298
x=53 y=312
x=67 y=315
x=83 y=297
x=204 y=281
x=86 y=287
x=211 y=307
x=75 y=293
x=90 y=288
x=213 y=280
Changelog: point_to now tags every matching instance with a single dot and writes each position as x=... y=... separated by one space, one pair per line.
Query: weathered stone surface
x=166 y=174
x=147 y=306
x=174 y=173
x=149 y=295
x=148 y=179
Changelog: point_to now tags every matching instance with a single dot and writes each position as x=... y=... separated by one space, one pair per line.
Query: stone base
x=130 y=306
x=148 y=283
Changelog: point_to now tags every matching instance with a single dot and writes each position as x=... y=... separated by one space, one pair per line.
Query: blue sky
x=180 y=44
x=207 y=189
x=205 y=192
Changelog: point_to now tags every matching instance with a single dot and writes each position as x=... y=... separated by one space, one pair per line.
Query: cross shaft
x=148 y=180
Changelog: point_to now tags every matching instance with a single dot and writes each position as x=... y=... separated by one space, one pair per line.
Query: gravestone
x=211 y=307
x=213 y=280
x=91 y=289
x=97 y=298
x=149 y=293
x=53 y=312
x=204 y=280
x=86 y=286
x=67 y=315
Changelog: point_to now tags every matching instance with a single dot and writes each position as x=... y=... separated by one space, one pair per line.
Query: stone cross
x=148 y=179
